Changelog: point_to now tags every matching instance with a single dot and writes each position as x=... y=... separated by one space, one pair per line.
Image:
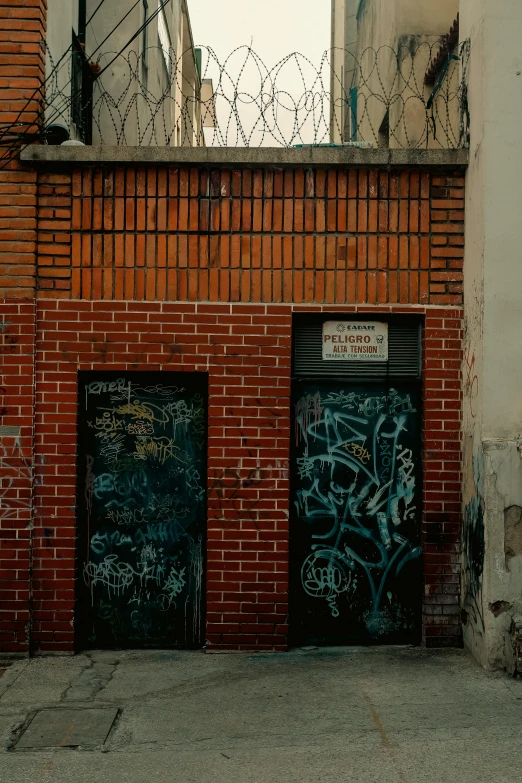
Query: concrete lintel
x=275 y=157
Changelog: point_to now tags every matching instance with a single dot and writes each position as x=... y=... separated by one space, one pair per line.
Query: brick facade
x=247 y=351
x=22 y=69
x=315 y=236
x=153 y=268
x=17 y=339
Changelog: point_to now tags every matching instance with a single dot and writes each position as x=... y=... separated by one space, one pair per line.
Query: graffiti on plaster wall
x=473 y=546
x=357 y=505
x=471 y=381
x=142 y=477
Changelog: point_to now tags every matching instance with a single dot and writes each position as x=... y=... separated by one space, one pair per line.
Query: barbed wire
x=153 y=98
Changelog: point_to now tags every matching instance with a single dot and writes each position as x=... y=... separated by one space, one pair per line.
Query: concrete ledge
x=240 y=156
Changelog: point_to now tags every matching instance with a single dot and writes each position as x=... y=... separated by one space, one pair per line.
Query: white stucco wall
x=108 y=116
x=377 y=24
x=425 y=17
x=503 y=563
x=502 y=208
x=472 y=28
x=343 y=45
x=382 y=22
x=363 y=27
x=492 y=369
x=137 y=100
x=385 y=29
x=62 y=18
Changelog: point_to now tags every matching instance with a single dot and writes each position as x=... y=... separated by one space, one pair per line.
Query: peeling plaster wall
x=387 y=29
x=422 y=17
x=492 y=366
x=472 y=27
x=502 y=199
x=473 y=545
x=503 y=561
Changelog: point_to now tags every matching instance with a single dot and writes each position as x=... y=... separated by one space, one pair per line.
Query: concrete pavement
x=394 y=714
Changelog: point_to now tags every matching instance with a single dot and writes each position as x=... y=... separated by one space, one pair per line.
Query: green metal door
x=355 y=522
x=141 y=509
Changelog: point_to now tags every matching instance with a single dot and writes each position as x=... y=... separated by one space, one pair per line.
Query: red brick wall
x=167 y=234
x=442 y=510
x=163 y=252
x=247 y=351
x=17 y=336
x=165 y=268
x=22 y=60
x=22 y=74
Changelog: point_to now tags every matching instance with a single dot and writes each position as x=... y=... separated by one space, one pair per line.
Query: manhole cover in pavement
x=57 y=728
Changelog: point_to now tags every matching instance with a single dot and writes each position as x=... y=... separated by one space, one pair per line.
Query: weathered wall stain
x=512 y=532
x=500 y=607
x=473 y=541
x=516 y=640
x=235 y=491
x=471 y=381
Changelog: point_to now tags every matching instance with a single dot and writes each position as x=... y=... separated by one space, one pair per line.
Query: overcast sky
x=275 y=29
x=277 y=26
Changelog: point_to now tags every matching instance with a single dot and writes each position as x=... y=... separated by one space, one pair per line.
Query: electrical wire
x=137 y=33
x=39 y=90
x=59 y=110
x=52 y=74
x=115 y=28
x=67 y=101
x=89 y=20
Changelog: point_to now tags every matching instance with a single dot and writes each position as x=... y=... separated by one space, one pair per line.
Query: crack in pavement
x=93 y=679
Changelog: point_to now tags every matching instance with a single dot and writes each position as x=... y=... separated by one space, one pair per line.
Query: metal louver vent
x=404 y=353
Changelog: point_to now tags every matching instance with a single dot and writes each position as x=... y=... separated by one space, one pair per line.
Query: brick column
x=442 y=374
x=22 y=74
x=17 y=338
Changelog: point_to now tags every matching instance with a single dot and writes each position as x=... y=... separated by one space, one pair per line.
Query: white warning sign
x=359 y=341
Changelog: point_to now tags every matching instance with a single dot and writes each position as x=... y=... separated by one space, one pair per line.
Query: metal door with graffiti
x=141 y=509
x=355 y=528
